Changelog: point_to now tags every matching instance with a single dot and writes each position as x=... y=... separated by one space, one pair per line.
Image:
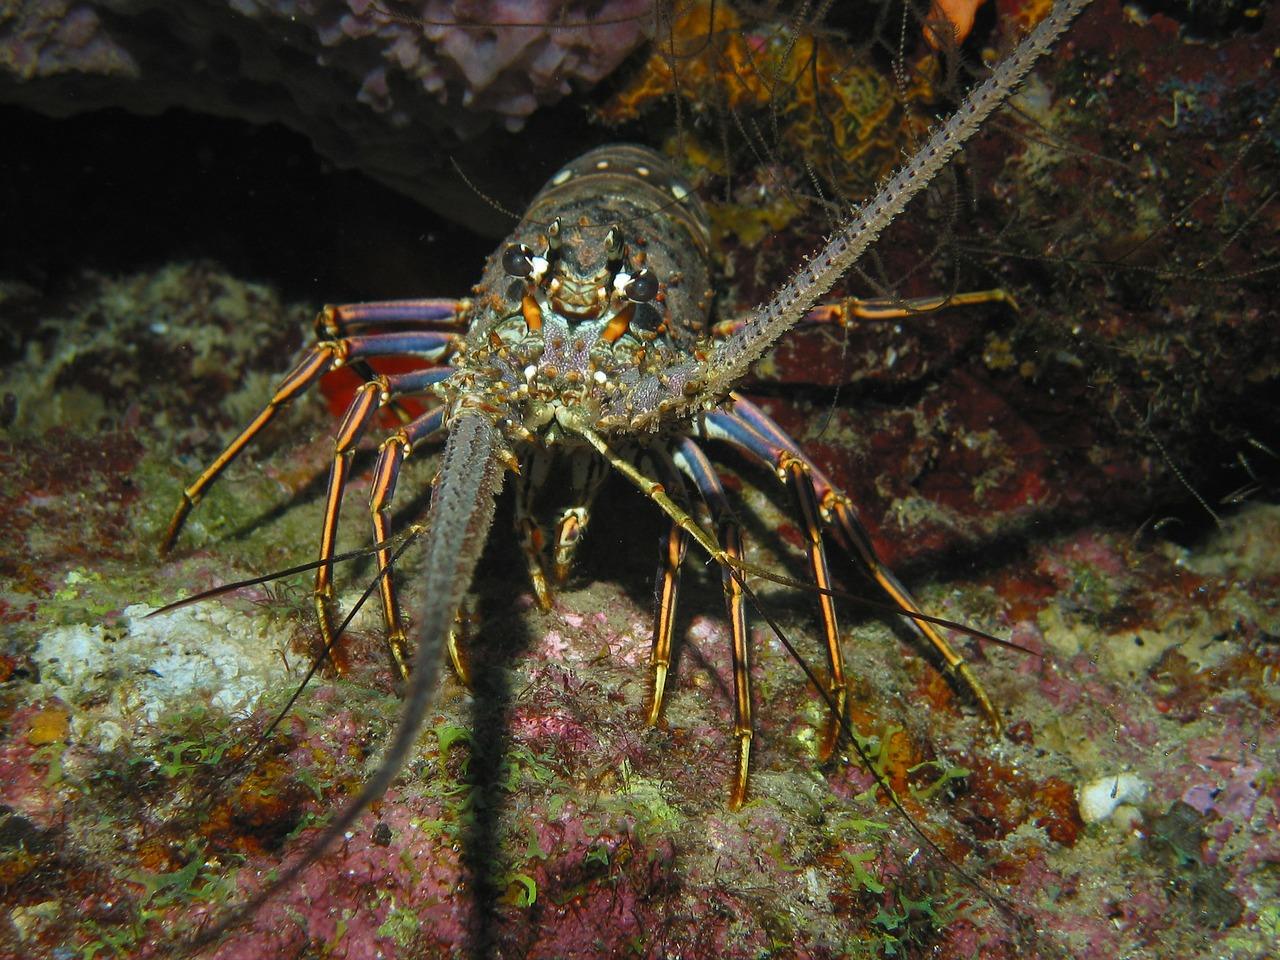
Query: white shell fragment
x=131 y=674
x=1099 y=798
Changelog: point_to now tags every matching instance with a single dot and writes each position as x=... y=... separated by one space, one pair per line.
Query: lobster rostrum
x=588 y=342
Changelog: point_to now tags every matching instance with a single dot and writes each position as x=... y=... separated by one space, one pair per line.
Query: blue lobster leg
x=360 y=412
x=335 y=322
x=751 y=430
x=692 y=462
x=346 y=319
x=318 y=360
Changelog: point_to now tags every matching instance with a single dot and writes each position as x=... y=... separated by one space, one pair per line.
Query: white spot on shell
x=562 y=177
x=678 y=191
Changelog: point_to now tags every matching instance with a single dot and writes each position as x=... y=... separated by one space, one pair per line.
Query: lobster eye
x=517 y=261
x=643 y=286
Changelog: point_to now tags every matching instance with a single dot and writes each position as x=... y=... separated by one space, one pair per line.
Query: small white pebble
x=1127 y=818
x=1099 y=798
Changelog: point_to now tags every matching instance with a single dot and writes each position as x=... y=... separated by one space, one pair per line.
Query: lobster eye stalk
x=643 y=287
x=517 y=261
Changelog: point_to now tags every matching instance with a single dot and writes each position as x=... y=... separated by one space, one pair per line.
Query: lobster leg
x=319 y=359
x=688 y=456
x=528 y=482
x=334 y=322
x=587 y=474
x=795 y=472
x=727 y=561
x=797 y=476
x=843 y=312
x=361 y=410
x=749 y=429
x=672 y=550
x=391 y=457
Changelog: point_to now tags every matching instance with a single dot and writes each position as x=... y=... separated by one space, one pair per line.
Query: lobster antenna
x=224 y=588
x=692 y=385
x=459 y=518
x=732 y=358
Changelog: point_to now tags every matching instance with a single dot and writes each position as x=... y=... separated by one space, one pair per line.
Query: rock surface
x=993 y=454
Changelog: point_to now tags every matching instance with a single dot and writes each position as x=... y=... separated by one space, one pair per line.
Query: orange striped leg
x=708 y=542
x=691 y=461
x=752 y=430
x=532 y=539
x=391 y=457
x=731 y=539
x=797 y=476
x=666 y=590
x=359 y=412
x=844 y=312
x=587 y=473
x=855 y=540
x=319 y=359
x=335 y=322
x=309 y=369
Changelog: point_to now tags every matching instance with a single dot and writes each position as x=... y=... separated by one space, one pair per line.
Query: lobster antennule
x=458 y=522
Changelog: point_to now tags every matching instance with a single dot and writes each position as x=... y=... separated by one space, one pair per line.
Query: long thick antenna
x=692 y=386
x=458 y=522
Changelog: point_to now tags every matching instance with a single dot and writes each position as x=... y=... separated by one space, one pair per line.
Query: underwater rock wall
x=371 y=91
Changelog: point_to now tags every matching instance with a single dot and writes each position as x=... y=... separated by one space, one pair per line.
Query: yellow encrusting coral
x=819 y=99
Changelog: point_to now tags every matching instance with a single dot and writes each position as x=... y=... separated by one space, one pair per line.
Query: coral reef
x=827 y=104
x=1131 y=809
x=1100 y=375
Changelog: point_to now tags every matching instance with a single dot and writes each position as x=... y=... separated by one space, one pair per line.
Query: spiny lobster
x=588 y=340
